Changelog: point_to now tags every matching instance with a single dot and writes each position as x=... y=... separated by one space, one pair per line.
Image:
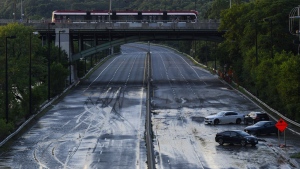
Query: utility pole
x=109 y=12
x=14 y=13
x=21 y=10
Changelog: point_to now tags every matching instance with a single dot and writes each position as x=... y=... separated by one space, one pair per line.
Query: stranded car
x=254 y=117
x=224 y=117
x=262 y=127
x=236 y=137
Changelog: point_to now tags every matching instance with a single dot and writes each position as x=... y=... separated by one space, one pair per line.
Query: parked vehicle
x=254 y=117
x=236 y=137
x=262 y=127
x=224 y=117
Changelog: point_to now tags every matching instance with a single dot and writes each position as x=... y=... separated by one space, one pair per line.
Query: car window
x=242 y=133
x=270 y=124
x=267 y=124
x=230 y=113
x=234 y=134
x=263 y=115
x=227 y=114
x=220 y=113
x=226 y=133
x=260 y=123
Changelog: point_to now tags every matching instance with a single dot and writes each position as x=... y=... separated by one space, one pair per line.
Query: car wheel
x=238 y=121
x=216 y=121
x=253 y=144
x=221 y=141
x=243 y=143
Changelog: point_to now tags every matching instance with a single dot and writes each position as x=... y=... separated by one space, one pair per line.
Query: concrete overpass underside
x=112 y=38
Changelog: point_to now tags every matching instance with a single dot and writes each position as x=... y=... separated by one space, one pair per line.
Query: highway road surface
x=100 y=123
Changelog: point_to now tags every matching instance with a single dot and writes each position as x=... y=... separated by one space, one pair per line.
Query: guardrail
x=271 y=109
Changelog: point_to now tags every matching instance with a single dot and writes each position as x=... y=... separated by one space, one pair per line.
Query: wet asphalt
x=101 y=122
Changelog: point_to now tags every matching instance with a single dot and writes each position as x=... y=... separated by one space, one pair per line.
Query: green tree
x=25 y=47
x=254 y=45
x=59 y=75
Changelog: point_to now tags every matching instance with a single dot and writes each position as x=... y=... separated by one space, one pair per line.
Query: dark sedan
x=235 y=137
x=262 y=127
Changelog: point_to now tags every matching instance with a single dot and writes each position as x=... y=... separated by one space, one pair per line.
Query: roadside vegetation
x=19 y=50
x=270 y=69
x=297 y=155
x=25 y=45
x=257 y=53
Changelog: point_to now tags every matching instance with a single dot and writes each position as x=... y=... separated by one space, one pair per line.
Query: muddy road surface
x=100 y=123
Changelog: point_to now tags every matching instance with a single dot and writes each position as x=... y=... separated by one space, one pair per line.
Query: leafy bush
x=5 y=129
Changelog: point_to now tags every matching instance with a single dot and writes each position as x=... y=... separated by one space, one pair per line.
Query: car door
x=272 y=128
x=268 y=128
x=226 y=136
x=235 y=137
x=233 y=117
x=227 y=117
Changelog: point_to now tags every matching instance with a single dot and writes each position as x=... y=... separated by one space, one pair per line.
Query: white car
x=224 y=117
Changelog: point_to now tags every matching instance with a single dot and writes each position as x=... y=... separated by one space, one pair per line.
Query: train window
x=188 y=18
x=99 y=18
x=154 y=18
x=125 y=18
x=145 y=18
x=160 y=18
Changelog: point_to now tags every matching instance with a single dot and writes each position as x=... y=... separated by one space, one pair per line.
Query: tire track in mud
x=168 y=78
x=185 y=79
x=116 y=102
x=175 y=95
x=112 y=98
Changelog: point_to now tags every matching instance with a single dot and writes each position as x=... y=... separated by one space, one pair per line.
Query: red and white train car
x=123 y=16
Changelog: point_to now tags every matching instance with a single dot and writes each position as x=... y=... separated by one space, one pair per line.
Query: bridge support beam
x=63 y=40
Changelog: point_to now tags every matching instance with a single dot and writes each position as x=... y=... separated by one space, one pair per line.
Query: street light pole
x=270 y=20
x=6 y=77
x=271 y=38
x=256 y=45
x=21 y=10
x=109 y=11
x=29 y=87
x=49 y=60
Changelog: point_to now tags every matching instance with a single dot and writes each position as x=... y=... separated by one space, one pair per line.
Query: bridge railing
x=6 y=21
x=44 y=24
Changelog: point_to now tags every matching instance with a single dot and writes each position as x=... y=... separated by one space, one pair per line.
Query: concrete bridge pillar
x=62 y=40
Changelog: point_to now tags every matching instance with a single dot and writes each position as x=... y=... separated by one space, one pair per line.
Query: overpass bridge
x=84 y=39
x=92 y=38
